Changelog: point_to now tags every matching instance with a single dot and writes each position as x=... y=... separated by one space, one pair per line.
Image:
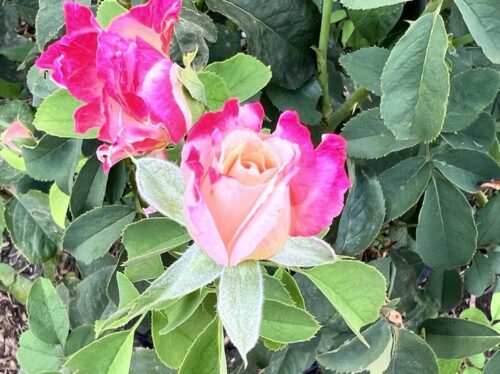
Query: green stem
x=462 y=40
x=322 y=55
x=345 y=109
x=481 y=198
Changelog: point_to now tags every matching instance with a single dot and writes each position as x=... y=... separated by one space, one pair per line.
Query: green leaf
x=495 y=306
x=275 y=290
x=479 y=275
x=16 y=110
x=151 y=237
x=59 y=204
x=470 y=93
x=193 y=270
x=446 y=233
x=416 y=109
x=107 y=11
x=2 y=218
x=411 y=355
x=476 y=137
x=191 y=33
x=126 y=290
x=294 y=358
x=206 y=355
x=39 y=84
x=365 y=67
x=242 y=74
x=79 y=338
x=488 y=222
x=282 y=323
x=374 y=24
x=446 y=287
x=483 y=20
x=215 y=90
x=150 y=268
x=304 y=252
x=182 y=309
x=89 y=188
x=303 y=100
x=457 y=338
x=362 y=217
x=448 y=366
x=403 y=184
x=475 y=315
x=239 y=304
x=493 y=365
x=91 y=301
x=146 y=361
x=53 y=159
x=108 y=355
x=369 y=4
x=466 y=169
x=91 y=235
x=35 y=356
x=173 y=347
x=356 y=291
x=367 y=137
x=47 y=316
x=161 y=184
x=279 y=34
x=291 y=287
x=55 y=116
x=31 y=227
x=353 y=356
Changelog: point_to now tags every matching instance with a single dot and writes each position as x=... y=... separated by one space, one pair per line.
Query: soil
x=13 y=318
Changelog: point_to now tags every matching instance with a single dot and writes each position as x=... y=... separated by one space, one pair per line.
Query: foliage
x=403 y=281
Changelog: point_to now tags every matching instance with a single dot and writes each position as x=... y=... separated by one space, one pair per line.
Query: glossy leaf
x=53 y=159
x=404 y=184
x=55 y=116
x=368 y=137
x=108 y=355
x=356 y=291
x=91 y=235
x=47 y=316
x=467 y=169
x=31 y=227
x=457 y=338
x=368 y=4
x=206 y=355
x=446 y=233
x=416 y=109
x=353 y=356
x=365 y=67
x=279 y=34
x=242 y=74
x=282 y=323
x=488 y=222
x=470 y=93
x=482 y=19
x=411 y=355
x=363 y=215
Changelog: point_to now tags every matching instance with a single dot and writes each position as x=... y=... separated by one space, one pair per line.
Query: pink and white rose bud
x=247 y=191
x=15 y=134
x=131 y=89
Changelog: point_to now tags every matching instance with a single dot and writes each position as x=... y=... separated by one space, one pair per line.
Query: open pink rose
x=130 y=87
x=247 y=191
x=13 y=134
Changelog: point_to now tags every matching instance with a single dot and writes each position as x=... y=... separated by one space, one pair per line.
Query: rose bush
x=237 y=186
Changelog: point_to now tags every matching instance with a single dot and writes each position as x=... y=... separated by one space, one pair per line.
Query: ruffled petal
x=232 y=116
x=153 y=22
x=325 y=180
